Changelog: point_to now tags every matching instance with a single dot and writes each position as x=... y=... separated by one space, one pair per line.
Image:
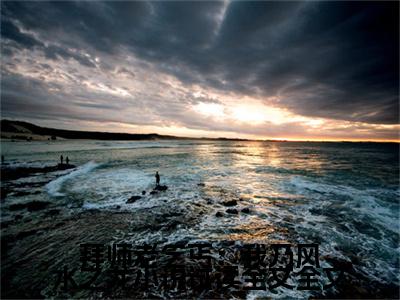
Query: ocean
x=342 y=196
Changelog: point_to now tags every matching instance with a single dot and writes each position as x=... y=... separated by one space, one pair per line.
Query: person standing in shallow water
x=157 y=179
x=61 y=159
x=67 y=160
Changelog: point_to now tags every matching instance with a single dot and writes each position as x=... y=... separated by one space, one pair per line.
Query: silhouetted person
x=2 y=159
x=67 y=160
x=157 y=179
x=61 y=159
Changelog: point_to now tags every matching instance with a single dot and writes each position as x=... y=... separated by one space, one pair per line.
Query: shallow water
x=343 y=196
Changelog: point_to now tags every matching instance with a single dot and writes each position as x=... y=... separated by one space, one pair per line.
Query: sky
x=264 y=70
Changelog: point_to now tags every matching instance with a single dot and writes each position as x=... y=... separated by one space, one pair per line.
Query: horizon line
x=311 y=140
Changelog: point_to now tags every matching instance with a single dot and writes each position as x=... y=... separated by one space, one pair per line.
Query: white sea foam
x=363 y=201
x=54 y=187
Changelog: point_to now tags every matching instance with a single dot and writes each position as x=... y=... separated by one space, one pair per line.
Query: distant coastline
x=21 y=130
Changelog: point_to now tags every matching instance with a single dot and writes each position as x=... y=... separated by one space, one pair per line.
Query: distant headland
x=20 y=130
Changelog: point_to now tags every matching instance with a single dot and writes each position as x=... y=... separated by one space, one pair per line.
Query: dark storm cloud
x=324 y=59
x=33 y=100
x=23 y=40
x=29 y=98
x=11 y=32
x=54 y=52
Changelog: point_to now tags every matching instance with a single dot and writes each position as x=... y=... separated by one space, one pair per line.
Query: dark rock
x=239 y=294
x=219 y=214
x=351 y=287
x=232 y=211
x=52 y=212
x=340 y=264
x=5 y=224
x=355 y=259
x=133 y=199
x=65 y=166
x=20 y=193
x=143 y=193
x=209 y=201
x=36 y=205
x=31 y=206
x=6 y=241
x=229 y=203
x=17 y=206
x=179 y=244
x=24 y=234
x=201 y=184
x=153 y=192
x=227 y=244
x=15 y=173
x=173 y=214
x=31 y=184
x=3 y=193
x=245 y=210
x=18 y=217
x=171 y=225
x=161 y=188
x=24 y=193
x=118 y=207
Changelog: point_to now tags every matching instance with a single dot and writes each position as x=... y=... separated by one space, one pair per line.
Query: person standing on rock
x=157 y=179
x=67 y=160
x=61 y=159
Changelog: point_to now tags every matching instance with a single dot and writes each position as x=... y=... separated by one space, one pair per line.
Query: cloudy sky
x=290 y=70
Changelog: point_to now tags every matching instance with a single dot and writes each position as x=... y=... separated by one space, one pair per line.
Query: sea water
x=342 y=196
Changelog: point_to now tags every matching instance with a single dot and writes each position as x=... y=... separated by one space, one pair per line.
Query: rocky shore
x=36 y=250
x=12 y=173
x=40 y=237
